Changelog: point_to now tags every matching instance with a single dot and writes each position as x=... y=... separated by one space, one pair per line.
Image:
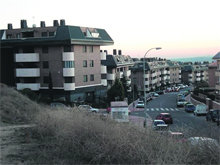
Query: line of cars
x=149 y=96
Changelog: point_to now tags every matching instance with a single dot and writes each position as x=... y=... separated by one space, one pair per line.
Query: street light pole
x=145 y=111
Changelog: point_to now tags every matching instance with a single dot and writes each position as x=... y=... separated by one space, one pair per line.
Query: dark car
x=190 y=108
x=166 y=117
x=160 y=92
x=213 y=115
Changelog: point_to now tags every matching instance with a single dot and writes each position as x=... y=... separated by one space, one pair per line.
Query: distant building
x=212 y=79
x=194 y=73
x=217 y=74
x=158 y=74
x=118 y=66
x=70 y=54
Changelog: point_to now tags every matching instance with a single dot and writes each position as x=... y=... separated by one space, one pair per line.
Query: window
x=45 y=64
x=46 y=79
x=45 y=49
x=92 y=77
x=9 y=36
x=84 y=63
x=67 y=49
x=90 y=49
x=51 y=34
x=68 y=64
x=85 y=78
x=91 y=63
x=18 y=35
x=69 y=79
x=84 y=48
x=44 y=34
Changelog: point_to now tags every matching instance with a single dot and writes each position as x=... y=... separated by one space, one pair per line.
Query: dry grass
x=74 y=137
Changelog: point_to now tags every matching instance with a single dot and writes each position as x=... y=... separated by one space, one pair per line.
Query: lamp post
x=145 y=121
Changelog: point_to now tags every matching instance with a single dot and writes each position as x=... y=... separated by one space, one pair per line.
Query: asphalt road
x=184 y=122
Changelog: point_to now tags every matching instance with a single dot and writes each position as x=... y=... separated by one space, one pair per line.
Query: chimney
x=114 y=52
x=100 y=50
x=119 y=52
x=10 y=26
x=23 y=24
x=55 y=23
x=62 y=22
x=42 y=24
x=106 y=52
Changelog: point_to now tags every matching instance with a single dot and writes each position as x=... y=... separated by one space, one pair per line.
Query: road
x=184 y=122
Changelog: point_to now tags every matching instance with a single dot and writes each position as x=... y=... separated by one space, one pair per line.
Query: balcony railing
x=27 y=57
x=32 y=86
x=104 y=82
x=28 y=72
x=103 y=69
x=68 y=72
x=127 y=73
x=103 y=55
x=69 y=86
x=111 y=76
x=68 y=56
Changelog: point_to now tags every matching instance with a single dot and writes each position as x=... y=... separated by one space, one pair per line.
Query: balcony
x=189 y=75
x=68 y=56
x=69 y=86
x=32 y=86
x=127 y=73
x=129 y=82
x=154 y=75
x=198 y=74
x=164 y=78
x=103 y=55
x=180 y=76
x=103 y=69
x=147 y=82
x=164 y=72
x=217 y=73
x=146 y=75
x=28 y=72
x=27 y=57
x=154 y=81
x=110 y=76
x=168 y=72
x=180 y=71
x=68 y=72
x=198 y=79
x=104 y=82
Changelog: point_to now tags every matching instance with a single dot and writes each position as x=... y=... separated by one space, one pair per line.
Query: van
x=201 y=109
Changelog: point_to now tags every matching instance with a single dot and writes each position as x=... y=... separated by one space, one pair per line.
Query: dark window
x=45 y=49
x=68 y=64
x=121 y=69
x=46 y=79
x=9 y=36
x=92 y=77
x=51 y=33
x=45 y=64
x=84 y=48
x=44 y=34
x=103 y=76
x=90 y=49
x=84 y=63
x=69 y=79
x=67 y=49
x=91 y=64
x=85 y=78
x=27 y=34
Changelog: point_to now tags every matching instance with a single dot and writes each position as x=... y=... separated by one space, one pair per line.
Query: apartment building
x=212 y=79
x=118 y=66
x=194 y=73
x=217 y=74
x=66 y=57
x=157 y=74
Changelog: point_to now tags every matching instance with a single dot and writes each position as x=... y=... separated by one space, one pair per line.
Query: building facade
x=217 y=74
x=118 y=66
x=68 y=58
x=212 y=79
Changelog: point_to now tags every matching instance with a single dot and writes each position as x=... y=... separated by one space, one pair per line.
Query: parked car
x=190 y=107
x=160 y=92
x=177 y=136
x=88 y=108
x=108 y=110
x=213 y=115
x=181 y=102
x=140 y=104
x=166 y=117
x=201 y=109
x=158 y=125
x=204 y=142
x=58 y=105
x=154 y=94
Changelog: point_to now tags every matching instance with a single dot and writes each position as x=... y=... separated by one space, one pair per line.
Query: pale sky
x=183 y=28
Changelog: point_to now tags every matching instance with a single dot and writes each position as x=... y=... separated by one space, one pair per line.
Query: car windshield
x=167 y=116
x=158 y=122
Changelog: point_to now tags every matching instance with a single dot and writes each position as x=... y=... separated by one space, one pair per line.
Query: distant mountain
x=193 y=59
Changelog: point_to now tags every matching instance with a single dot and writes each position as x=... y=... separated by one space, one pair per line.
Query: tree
x=116 y=92
x=125 y=85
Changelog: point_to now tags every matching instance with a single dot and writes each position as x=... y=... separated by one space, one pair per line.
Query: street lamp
x=145 y=121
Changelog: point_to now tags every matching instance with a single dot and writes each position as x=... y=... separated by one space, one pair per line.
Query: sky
x=183 y=28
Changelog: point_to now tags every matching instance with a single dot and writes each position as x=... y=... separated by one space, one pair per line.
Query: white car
x=89 y=108
x=200 y=141
x=159 y=125
x=140 y=104
x=201 y=109
x=181 y=102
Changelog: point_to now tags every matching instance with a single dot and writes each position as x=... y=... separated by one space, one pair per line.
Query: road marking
x=162 y=109
x=147 y=109
x=177 y=109
x=171 y=109
x=167 y=109
x=152 y=109
x=157 y=109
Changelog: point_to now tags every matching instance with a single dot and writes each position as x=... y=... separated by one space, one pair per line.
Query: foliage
x=116 y=92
